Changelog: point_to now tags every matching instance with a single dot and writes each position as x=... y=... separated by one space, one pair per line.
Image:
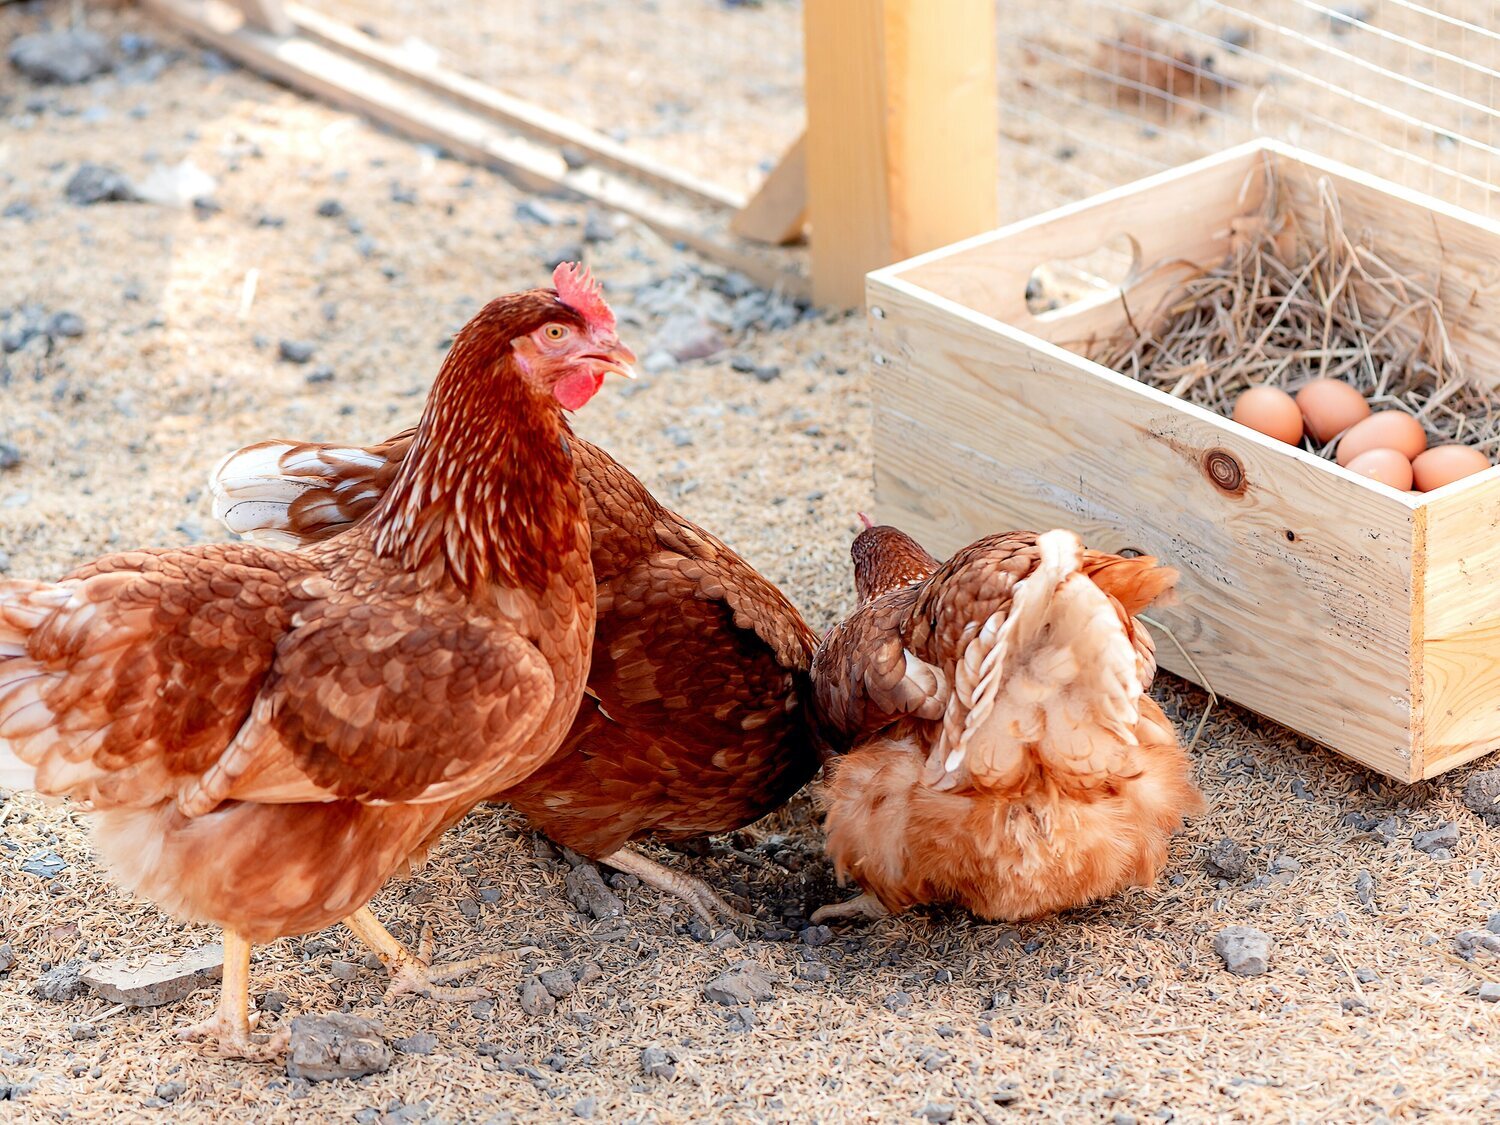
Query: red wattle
x=575 y=389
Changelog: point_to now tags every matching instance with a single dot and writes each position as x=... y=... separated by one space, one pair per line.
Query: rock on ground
x=656 y=1063
x=66 y=57
x=746 y=983
x=98 y=183
x=60 y=983
x=588 y=894
x=336 y=1045
x=1442 y=838
x=1226 y=860
x=1246 y=951
x=1482 y=796
x=161 y=980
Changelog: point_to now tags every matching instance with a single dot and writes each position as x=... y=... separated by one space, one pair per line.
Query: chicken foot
x=415 y=972
x=861 y=906
x=704 y=900
x=228 y=1029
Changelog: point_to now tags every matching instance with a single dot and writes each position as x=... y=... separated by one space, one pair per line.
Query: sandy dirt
x=1122 y=1012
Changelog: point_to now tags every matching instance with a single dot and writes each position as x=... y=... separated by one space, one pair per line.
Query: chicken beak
x=619 y=359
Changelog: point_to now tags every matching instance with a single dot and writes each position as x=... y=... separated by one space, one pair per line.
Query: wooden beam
x=394 y=101
x=265 y=15
x=533 y=120
x=903 y=132
x=777 y=212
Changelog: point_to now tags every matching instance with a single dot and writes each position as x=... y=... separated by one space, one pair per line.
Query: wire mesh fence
x=1099 y=92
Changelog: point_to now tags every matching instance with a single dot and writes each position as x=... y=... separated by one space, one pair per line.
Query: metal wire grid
x=1095 y=93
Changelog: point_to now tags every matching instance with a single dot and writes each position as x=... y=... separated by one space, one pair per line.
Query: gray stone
x=343 y=970
x=336 y=1045
x=597 y=227
x=567 y=252
x=1467 y=943
x=1482 y=796
x=159 y=980
x=1246 y=952
x=586 y=1107
x=656 y=1063
x=1442 y=838
x=1226 y=860
x=170 y=1091
x=98 y=183
x=1489 y=992
x=330 y=209
x=588 y=894
x=535 y=999
x=813 y=971
x=295 y=351
x=48 y=865
x=63 y=57
x=10 y=456
x=320 y=374
x=688 y=336
x=559 y=982
x=535 y=211
x=61 y=983
x=65 y=324
x=1364 y=888
x=1285 y=865
x=746 y=983
x=422 y=1043
x=816 y=936
x=939 y=1113
x=7 y=957
x=658 y=361
x=897 y=1001
x=273 y=1002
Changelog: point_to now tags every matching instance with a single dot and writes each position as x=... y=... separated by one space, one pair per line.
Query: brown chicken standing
x=696 y=717
x=1006 y=756
x=263 y=737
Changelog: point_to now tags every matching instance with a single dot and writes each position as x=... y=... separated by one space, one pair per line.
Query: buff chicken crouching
x=1006 y=756
x=263 y=737
x=696 y=720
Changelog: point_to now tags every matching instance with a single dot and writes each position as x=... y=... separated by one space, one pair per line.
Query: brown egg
x=1388 y=466
x=1389 y=429
x=1330 y=407
x=1444 y=464
x=1271 y=411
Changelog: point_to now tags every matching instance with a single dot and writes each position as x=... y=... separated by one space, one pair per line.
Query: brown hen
x=695 y=719
x=1006 y=756
x=262 y=737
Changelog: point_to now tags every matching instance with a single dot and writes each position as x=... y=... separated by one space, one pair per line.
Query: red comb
x=581 y=293
x=864 y=519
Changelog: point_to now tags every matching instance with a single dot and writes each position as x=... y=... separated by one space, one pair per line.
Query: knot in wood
x=1225 y=470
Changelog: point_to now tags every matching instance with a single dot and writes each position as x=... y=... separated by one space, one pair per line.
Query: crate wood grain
x=1364 y=618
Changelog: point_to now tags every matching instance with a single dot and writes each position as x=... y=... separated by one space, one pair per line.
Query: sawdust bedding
x=1119 y=1012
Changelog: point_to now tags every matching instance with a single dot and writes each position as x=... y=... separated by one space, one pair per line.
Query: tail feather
x=1054 y=680
x=24 y=607
x=290 y=493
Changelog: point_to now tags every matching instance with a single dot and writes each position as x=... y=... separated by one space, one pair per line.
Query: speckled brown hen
x=264 y=737
x=695 y=719
x=1006 y=756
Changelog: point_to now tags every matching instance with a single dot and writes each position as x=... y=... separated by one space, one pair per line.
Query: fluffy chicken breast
x=1006 y=756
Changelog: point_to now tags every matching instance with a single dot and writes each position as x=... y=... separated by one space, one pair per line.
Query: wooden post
x=903 y=133
x=265 y=15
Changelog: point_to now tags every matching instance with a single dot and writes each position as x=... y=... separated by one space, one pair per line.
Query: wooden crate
x=1365 y=618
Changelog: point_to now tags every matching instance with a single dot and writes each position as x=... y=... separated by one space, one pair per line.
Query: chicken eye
x=555 y=331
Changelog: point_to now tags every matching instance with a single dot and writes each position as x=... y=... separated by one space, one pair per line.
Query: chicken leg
x=414 y=972
x=228 y=1029
x=705 y=902
x=861 y=906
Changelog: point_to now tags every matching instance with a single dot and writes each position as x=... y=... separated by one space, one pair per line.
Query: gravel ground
x=1358 y=908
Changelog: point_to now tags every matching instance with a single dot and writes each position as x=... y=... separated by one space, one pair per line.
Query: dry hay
x=1282 y=310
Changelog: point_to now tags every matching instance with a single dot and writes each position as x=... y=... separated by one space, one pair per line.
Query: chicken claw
x=862 y=906
x=228 y=1029
x=704 y=900
x=414 y=972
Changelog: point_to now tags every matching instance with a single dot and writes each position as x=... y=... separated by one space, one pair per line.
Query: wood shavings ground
x=1118 y=1009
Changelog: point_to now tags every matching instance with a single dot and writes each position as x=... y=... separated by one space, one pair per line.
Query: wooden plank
x=1419 y=235
x=1300 y=574
x=365 y=89
x=777 y=212
x=1458 y=659
x=269 y=16
x=533 y=120
x=989 y=275
x=903 y=128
